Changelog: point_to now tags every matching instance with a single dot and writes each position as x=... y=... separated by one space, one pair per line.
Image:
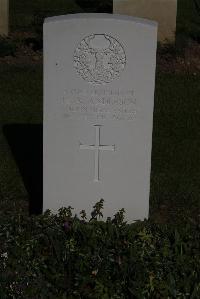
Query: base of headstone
x=26 y=144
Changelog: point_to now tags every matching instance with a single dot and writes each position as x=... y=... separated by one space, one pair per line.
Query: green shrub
x=7 y=47
x=60 y=256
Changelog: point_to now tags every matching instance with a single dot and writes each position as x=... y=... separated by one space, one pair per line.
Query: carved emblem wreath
x=99 y=58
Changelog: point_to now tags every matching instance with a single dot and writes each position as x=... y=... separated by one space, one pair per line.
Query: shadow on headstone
x=26 y=143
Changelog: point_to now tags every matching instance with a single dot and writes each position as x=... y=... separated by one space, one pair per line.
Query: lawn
x=176 y=145
x=20 y=102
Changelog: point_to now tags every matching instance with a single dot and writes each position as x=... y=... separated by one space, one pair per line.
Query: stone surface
x=162 y=11
x=99 y=73
x=4 y=17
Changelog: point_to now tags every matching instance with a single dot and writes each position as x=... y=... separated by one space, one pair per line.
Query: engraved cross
x=97 y=147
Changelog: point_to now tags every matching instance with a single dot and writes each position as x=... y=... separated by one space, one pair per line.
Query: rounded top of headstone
x=102 y=16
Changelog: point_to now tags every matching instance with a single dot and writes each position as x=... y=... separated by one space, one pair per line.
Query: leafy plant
x=60 y=256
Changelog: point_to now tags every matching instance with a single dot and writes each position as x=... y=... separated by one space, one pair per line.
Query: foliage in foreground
x=60 y=256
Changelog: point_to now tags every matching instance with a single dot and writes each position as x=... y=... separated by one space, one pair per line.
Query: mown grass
x=20 y=102
x=176 y=135
x=176 y=144
x=21 y=94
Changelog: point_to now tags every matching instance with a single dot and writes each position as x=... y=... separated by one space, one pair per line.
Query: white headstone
x=99 y=72
x=4 y=17
x=162 y=11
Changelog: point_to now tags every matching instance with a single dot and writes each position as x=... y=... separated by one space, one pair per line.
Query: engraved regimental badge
x=99 y=58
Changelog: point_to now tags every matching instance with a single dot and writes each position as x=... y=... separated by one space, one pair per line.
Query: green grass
x=176 y=142
x=176 y=136
x=21 y=94
x=20 y=102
